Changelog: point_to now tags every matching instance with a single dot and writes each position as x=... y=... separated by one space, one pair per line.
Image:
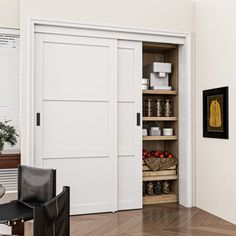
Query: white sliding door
x=87 y=97
x=129 y=132
x=76 y=99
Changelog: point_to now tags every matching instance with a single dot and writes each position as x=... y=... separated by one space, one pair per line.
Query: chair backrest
x=53 y=218
x=36 y=185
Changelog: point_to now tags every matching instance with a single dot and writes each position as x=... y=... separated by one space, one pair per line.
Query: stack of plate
x=145 y=84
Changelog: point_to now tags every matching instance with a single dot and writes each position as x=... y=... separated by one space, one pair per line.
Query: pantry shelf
x=159 y=173
x=159 y=178
x=164 y=198
x=146 y=118
x=157 y=138
x=160 y=121
x=146 y=168
x=160 y=92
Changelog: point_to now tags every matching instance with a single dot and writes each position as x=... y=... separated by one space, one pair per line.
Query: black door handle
x=138 y=119
x=38 y=119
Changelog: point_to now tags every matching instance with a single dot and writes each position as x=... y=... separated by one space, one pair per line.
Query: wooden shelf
x=158 y=47
x=146 y=168
x=8 y=161
x=157 y=138
x=161 y=177
x=158 y=173
x=164 y=198
x=146 y=118
x=160 y=92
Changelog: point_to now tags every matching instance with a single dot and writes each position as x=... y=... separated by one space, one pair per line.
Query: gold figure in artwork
x=215 y=114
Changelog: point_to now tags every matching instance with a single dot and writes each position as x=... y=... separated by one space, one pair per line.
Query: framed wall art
x=215 y=113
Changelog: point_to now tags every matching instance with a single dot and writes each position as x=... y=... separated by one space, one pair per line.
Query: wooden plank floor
x=158 y=220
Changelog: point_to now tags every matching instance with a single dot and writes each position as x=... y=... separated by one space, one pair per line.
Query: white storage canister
x=168 y=132
x=145 y=81
x=145 y=132
x=155 y=131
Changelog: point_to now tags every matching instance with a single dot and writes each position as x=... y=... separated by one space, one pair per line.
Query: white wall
x=161 y=14
x=176 y=15
x=216 y=67
x=10 y=13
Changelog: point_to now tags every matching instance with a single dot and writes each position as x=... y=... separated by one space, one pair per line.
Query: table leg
x=18 y=227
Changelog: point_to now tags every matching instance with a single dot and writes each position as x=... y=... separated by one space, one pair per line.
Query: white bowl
x=168 y=132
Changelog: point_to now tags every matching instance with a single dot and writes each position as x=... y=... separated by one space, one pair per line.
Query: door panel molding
x=129 y=134
x=86 y=131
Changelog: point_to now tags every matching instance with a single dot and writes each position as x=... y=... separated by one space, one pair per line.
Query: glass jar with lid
x=159 y=107
x=167 y=108
x=148 y=107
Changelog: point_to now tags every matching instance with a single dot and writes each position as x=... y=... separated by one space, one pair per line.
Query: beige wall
x=10 y=13
x=161 y=14
x=176 y=15
x=216 y=67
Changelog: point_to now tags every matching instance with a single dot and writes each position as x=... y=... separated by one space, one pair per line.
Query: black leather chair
x=53 y=218
x=35 y=186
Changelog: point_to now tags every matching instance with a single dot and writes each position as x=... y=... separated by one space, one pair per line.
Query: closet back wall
x=140 y=14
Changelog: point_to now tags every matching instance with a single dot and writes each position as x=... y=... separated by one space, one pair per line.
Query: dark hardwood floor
x=159 y=220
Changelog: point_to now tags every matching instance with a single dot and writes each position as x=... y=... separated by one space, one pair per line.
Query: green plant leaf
x=7 y=134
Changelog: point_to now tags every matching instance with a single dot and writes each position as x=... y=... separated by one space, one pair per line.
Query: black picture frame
x=216 y=113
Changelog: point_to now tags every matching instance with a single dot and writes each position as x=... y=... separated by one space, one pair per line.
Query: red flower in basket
x=170 y=155
x=161 y=155
x=166 y=153
x=157 y=153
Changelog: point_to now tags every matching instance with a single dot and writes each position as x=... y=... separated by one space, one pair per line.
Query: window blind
x=8 y=178
x=10 y=83
x=10 y=96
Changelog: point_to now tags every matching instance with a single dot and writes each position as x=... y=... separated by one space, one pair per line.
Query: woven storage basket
x=160 y=163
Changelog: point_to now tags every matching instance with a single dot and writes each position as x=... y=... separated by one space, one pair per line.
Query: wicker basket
x=160 y=163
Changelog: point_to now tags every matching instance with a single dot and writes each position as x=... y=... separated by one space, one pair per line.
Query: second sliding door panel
x=129 y=134
x=76 y=96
